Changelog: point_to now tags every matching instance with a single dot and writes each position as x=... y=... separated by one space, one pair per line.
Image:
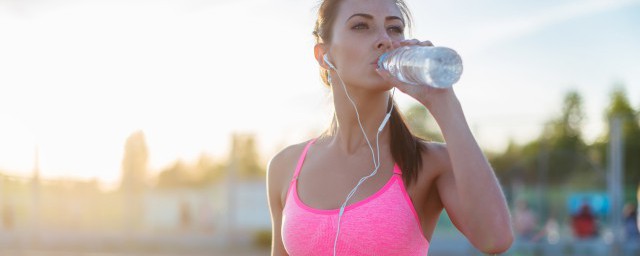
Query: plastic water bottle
x=437 y=66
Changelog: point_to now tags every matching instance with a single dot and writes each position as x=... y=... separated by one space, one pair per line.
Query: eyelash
x=396 y=29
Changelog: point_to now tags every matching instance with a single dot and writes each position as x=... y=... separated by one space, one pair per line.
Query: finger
x=425 y=43
x=410 y=42
x=395 y=44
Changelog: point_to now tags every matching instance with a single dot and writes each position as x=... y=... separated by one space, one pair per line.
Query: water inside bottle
x=436 y=66
x=446 y=68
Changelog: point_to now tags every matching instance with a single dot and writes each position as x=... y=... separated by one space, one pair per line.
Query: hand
x=423 y=93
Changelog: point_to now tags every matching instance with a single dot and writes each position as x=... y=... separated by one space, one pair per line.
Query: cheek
x=350 y=48
x=355 y=56
x=353 y=53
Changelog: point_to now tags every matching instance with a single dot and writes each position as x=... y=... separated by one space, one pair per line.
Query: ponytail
x=406 y=148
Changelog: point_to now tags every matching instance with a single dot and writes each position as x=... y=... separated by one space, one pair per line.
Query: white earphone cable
x=376 y=161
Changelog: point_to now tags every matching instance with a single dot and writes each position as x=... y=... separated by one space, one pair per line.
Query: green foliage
x=560 y=157
x=556 y=156
x=566 y=128
x=243 y=159
x=422 y=124
x=262 y=238
x=201 y=173
x=619 y=106
x=562 y=147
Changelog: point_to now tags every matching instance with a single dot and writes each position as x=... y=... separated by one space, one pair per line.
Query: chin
x=373 y=85
x=372 y=82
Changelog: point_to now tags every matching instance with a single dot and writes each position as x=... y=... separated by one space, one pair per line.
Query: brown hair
x=406 y=148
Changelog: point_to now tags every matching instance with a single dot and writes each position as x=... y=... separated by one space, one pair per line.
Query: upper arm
x=278 y=175
x=473 y=201
x=447 y=188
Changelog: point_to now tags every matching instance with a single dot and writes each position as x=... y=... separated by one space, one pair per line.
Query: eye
x=360 y=26
x=396 y=29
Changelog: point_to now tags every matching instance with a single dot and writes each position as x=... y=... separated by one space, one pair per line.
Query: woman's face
x=362 y=31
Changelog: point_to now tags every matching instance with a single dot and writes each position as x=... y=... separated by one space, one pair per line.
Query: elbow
x=498 y=243
x=499 y=239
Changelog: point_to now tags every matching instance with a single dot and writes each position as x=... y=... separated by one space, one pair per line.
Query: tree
x=201 y=173
x=419 y=122
x=134 y=163
x=619 y=106
x=174 y=176
x=512 y=165
x=133 y=184
x=557 y=155
x=208 y=170
x=244 y=157
x=562 y=148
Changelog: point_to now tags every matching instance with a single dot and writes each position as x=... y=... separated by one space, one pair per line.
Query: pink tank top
x=383 y=224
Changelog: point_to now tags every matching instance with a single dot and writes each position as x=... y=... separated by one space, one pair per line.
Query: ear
x=319 y=50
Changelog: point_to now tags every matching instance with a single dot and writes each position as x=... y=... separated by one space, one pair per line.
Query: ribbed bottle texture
x=439 y=67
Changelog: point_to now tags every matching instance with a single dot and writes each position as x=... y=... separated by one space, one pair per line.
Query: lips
x=376 y=61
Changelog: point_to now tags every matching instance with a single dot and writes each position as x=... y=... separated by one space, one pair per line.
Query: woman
x=394 y=212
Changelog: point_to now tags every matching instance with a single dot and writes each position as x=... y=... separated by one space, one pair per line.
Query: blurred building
x=215 y=209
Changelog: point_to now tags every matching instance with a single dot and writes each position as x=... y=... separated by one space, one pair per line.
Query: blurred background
x=144 y=127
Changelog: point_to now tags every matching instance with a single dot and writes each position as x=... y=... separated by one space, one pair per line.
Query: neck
x=372 y=108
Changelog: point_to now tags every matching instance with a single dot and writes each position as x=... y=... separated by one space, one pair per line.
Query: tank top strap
x=301 y=159
x=396 y=169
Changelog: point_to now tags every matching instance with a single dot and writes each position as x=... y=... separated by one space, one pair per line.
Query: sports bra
x=385 y=223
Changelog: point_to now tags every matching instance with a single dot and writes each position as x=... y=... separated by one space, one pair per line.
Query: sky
x=78 y=77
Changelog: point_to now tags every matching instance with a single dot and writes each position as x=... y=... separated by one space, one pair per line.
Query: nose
x=384 y=41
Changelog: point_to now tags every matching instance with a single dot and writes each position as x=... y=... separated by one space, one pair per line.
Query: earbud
x=326 y=60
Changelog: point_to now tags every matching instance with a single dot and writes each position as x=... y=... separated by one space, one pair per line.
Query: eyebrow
x=370 y=17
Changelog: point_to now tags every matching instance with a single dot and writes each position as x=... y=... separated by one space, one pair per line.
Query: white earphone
x=326 y=60
x=376 y=162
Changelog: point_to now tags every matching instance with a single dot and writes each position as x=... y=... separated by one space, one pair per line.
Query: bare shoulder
x=281 y=168
x=283 y=163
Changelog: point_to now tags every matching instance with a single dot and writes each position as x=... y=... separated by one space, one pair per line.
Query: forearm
x=485 y=209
